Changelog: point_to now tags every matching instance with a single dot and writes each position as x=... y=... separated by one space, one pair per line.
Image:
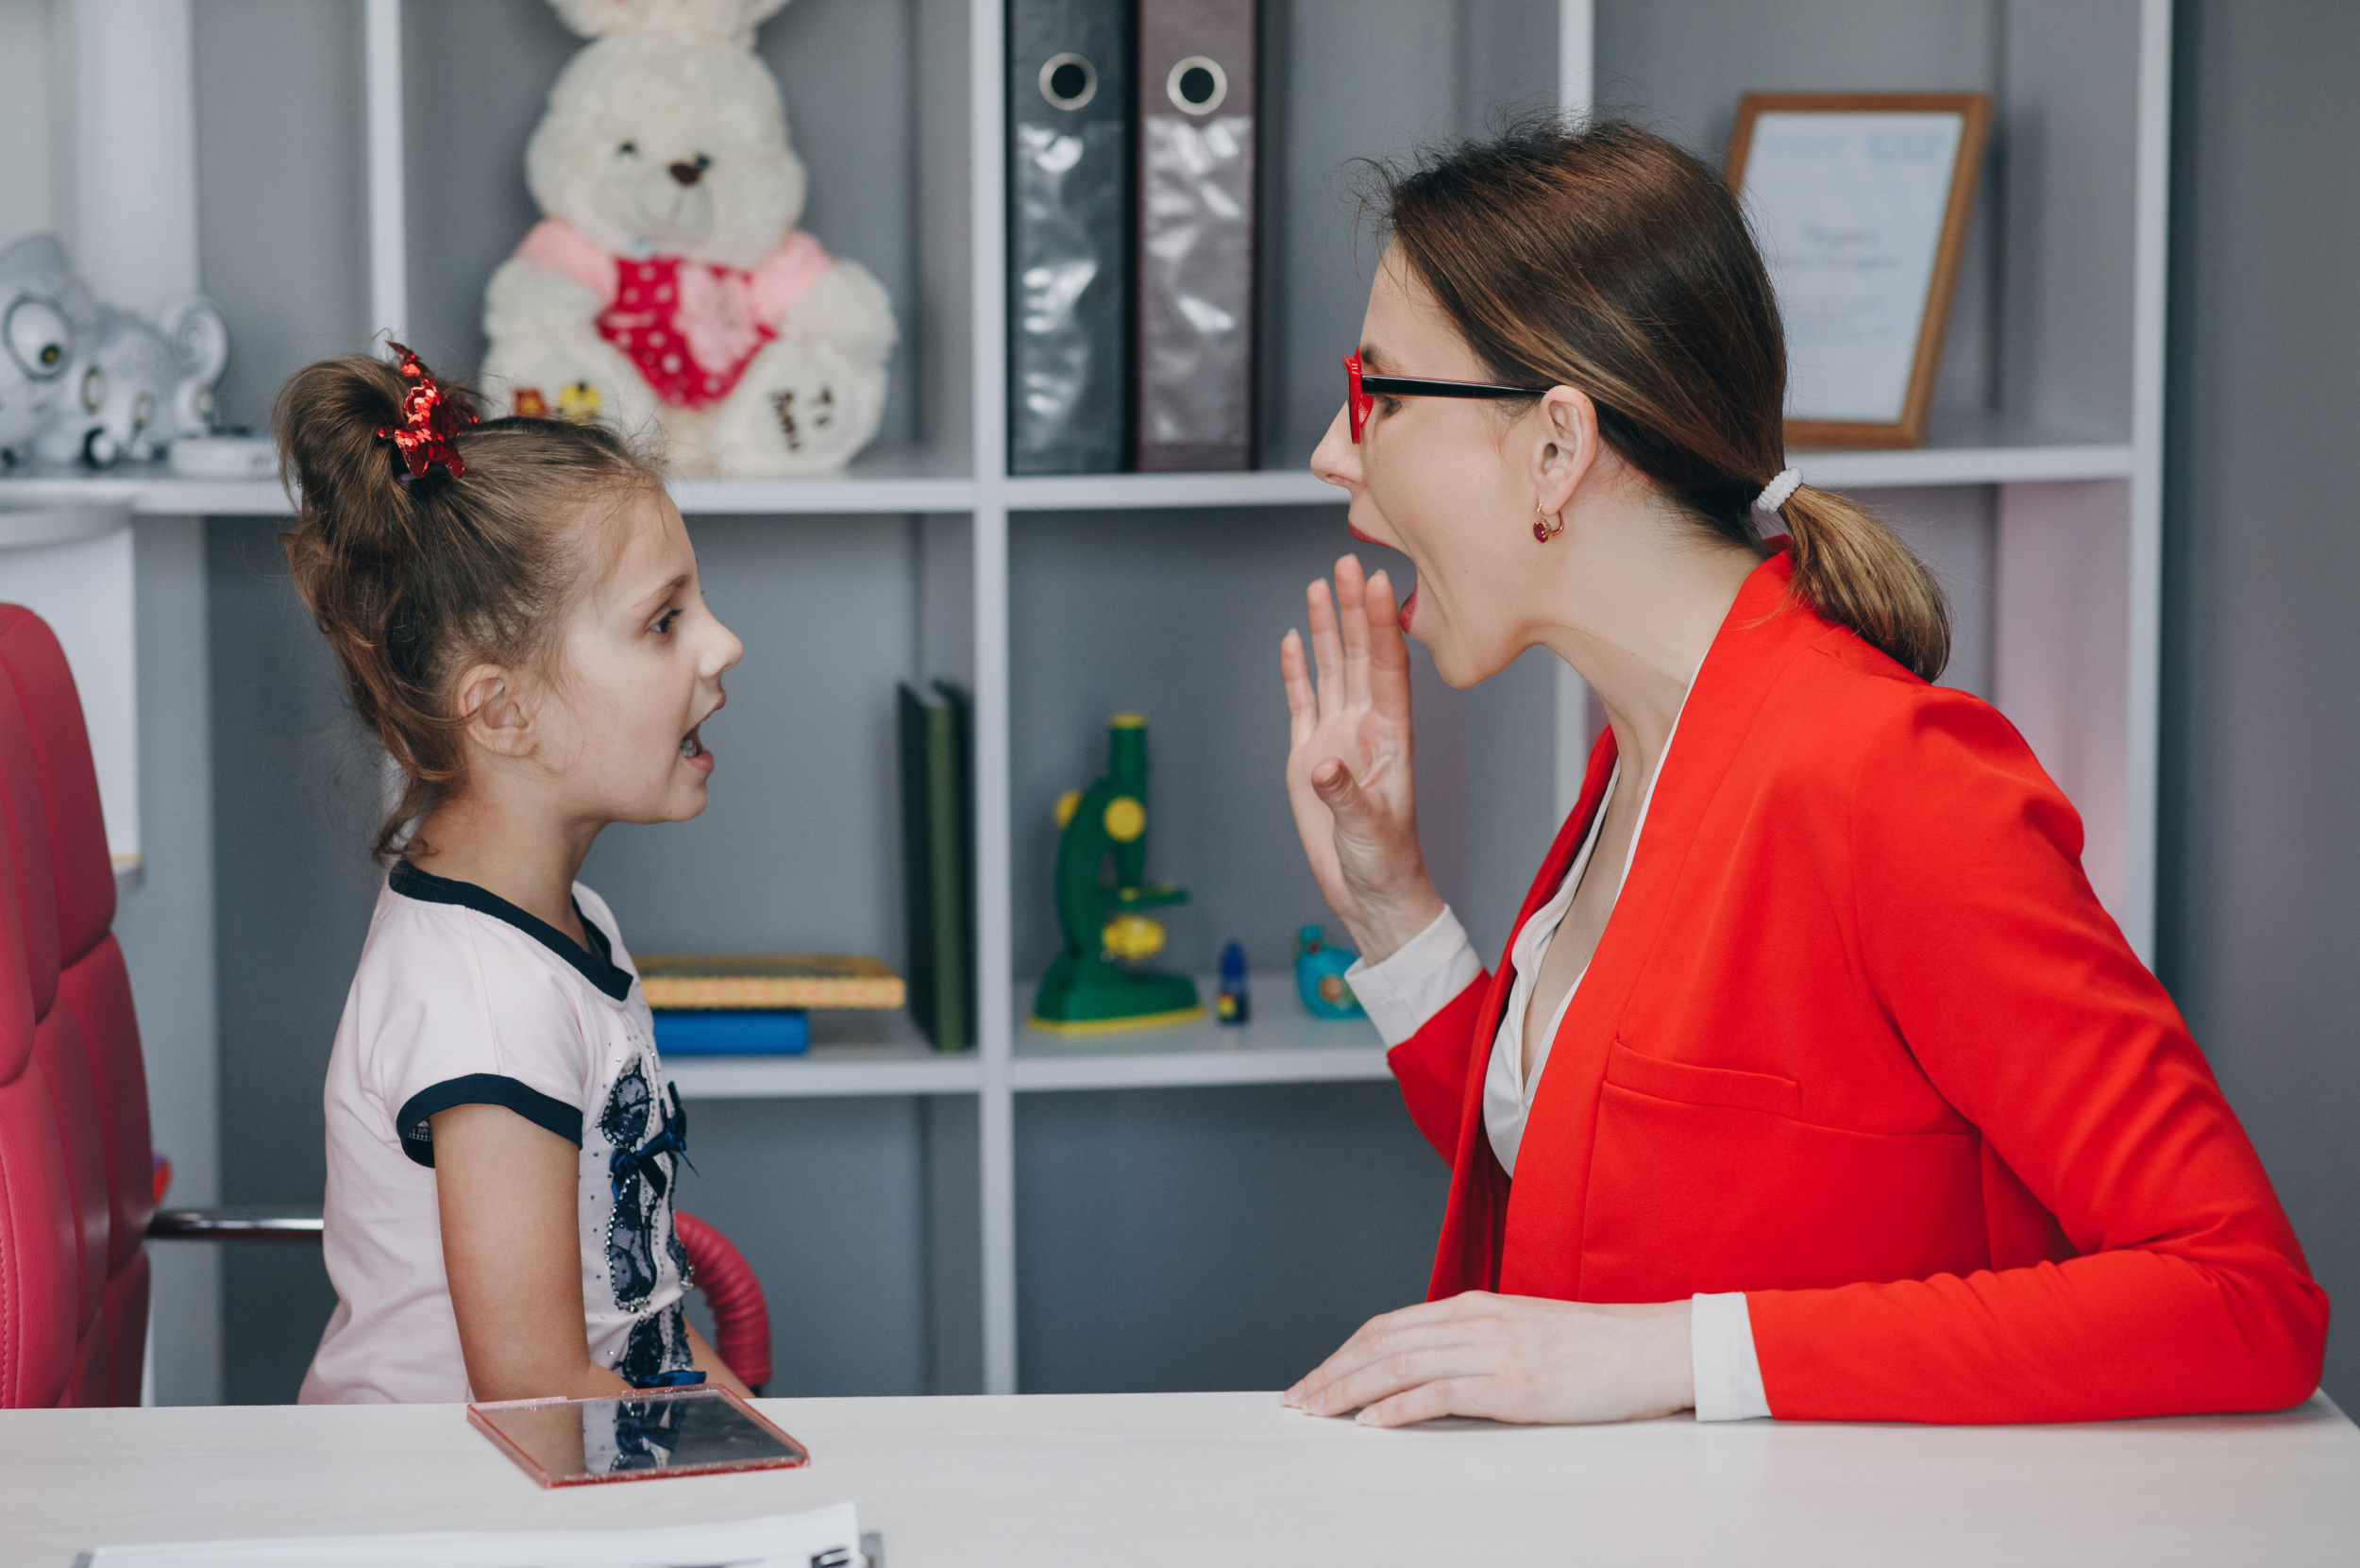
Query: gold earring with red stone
x=1546 y=527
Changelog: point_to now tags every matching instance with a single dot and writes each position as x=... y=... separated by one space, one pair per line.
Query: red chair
x=76 y=1183
x=77 y=1177
x=741 y=1317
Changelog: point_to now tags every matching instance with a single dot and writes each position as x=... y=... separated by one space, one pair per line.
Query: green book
x=938 y=862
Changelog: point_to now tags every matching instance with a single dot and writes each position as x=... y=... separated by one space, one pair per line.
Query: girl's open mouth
x=693 y=752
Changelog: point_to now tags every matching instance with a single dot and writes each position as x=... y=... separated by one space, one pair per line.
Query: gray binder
x=1070 y=115
x=1197 y=88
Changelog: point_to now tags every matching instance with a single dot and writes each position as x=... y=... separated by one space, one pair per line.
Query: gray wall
x=294 y=804
x=1213 y=1239
x=281 y=241
x=2261 y=862
x=165 y=924
x=282 y=249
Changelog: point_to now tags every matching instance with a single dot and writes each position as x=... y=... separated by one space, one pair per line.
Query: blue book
x=715 y=1032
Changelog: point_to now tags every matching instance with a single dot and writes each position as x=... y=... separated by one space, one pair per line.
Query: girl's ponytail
x=1852 y=570
x=345 y=473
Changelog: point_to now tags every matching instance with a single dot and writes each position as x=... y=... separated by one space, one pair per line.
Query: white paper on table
x=824 y=1538
x=1849 y=208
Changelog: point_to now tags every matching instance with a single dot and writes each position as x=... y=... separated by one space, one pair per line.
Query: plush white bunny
x=667 y=284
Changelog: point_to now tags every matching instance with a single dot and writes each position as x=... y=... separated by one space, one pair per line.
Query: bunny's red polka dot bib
x=688 y=326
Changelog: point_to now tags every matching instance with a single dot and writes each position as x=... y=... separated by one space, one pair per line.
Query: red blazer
x=1859 y=1041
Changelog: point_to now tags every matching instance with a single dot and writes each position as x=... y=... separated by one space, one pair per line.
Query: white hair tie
x=1779 y=491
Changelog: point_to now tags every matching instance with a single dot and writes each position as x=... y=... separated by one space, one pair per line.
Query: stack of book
x=1132 y=168
x=734 y=1004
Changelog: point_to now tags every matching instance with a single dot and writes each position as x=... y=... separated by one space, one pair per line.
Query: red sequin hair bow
x=430 y=421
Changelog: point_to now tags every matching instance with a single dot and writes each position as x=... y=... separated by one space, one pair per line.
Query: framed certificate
x=1860 y=202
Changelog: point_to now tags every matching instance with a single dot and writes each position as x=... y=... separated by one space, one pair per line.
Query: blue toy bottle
x=1232 y=1005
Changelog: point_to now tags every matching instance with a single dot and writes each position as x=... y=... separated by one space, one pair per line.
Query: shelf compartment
x=904 y=482
x=150 y=489
x=852 y=1053
x=1280 y=1044
x=899 y=481
x=1969 y=449
x=1959 y=450
x=1128 y=492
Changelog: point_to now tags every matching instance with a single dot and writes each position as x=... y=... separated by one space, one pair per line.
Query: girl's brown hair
x=1605 y=259
x=414 y=581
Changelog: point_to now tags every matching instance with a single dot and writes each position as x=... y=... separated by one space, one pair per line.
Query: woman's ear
x=1565 y=447
x=497 y=715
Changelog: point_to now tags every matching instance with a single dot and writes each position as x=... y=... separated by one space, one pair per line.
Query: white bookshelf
x=1957 y=452
x=827 y=1074
x=1279 y=1043
x=2058 y=450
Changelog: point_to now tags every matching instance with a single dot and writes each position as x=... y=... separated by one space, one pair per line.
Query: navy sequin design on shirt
x=648 y=1139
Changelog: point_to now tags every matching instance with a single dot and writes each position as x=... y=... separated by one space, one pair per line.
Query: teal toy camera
x=1320 y=976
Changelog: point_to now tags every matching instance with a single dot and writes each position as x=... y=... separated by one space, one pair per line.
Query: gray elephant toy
x=130 y=388
x=39 y=339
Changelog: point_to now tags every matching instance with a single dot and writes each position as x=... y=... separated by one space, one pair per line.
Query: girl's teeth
x=690 y=746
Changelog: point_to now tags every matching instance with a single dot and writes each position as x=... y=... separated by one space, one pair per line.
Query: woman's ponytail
x=1604 y=258
x=1852 y=570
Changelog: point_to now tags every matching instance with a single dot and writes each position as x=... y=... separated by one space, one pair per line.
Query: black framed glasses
x=1364 y=389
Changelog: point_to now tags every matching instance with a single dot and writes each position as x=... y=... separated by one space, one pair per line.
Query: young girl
x=515 y=607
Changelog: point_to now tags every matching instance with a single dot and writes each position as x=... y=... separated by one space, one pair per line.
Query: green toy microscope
x=1089 y=989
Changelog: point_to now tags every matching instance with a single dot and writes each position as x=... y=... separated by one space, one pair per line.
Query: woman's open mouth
x=693 y=752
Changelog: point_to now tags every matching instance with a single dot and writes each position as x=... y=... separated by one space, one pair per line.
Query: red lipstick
x=1408 y=610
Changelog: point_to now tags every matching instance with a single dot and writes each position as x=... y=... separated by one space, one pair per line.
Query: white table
x=1234 y=1478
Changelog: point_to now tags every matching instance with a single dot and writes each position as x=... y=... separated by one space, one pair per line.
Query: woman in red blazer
x=1815 y=1082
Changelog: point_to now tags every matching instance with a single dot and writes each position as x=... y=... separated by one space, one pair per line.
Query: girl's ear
x=496 y=716
x=1564 y=448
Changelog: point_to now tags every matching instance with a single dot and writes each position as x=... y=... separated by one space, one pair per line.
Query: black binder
x=938 y=861
x=1070 y=115
x=1198 y=124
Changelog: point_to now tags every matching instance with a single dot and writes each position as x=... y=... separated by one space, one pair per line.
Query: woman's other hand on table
x=1348 y=768
x=1519 y=1358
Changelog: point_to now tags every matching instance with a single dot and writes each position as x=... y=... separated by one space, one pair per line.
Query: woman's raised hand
x=1348 y=774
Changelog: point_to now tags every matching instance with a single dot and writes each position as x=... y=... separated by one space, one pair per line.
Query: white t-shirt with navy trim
x=462 y=998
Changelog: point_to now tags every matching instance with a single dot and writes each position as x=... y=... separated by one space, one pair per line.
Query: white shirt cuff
x=1418 y=981
x=1720 y=1357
